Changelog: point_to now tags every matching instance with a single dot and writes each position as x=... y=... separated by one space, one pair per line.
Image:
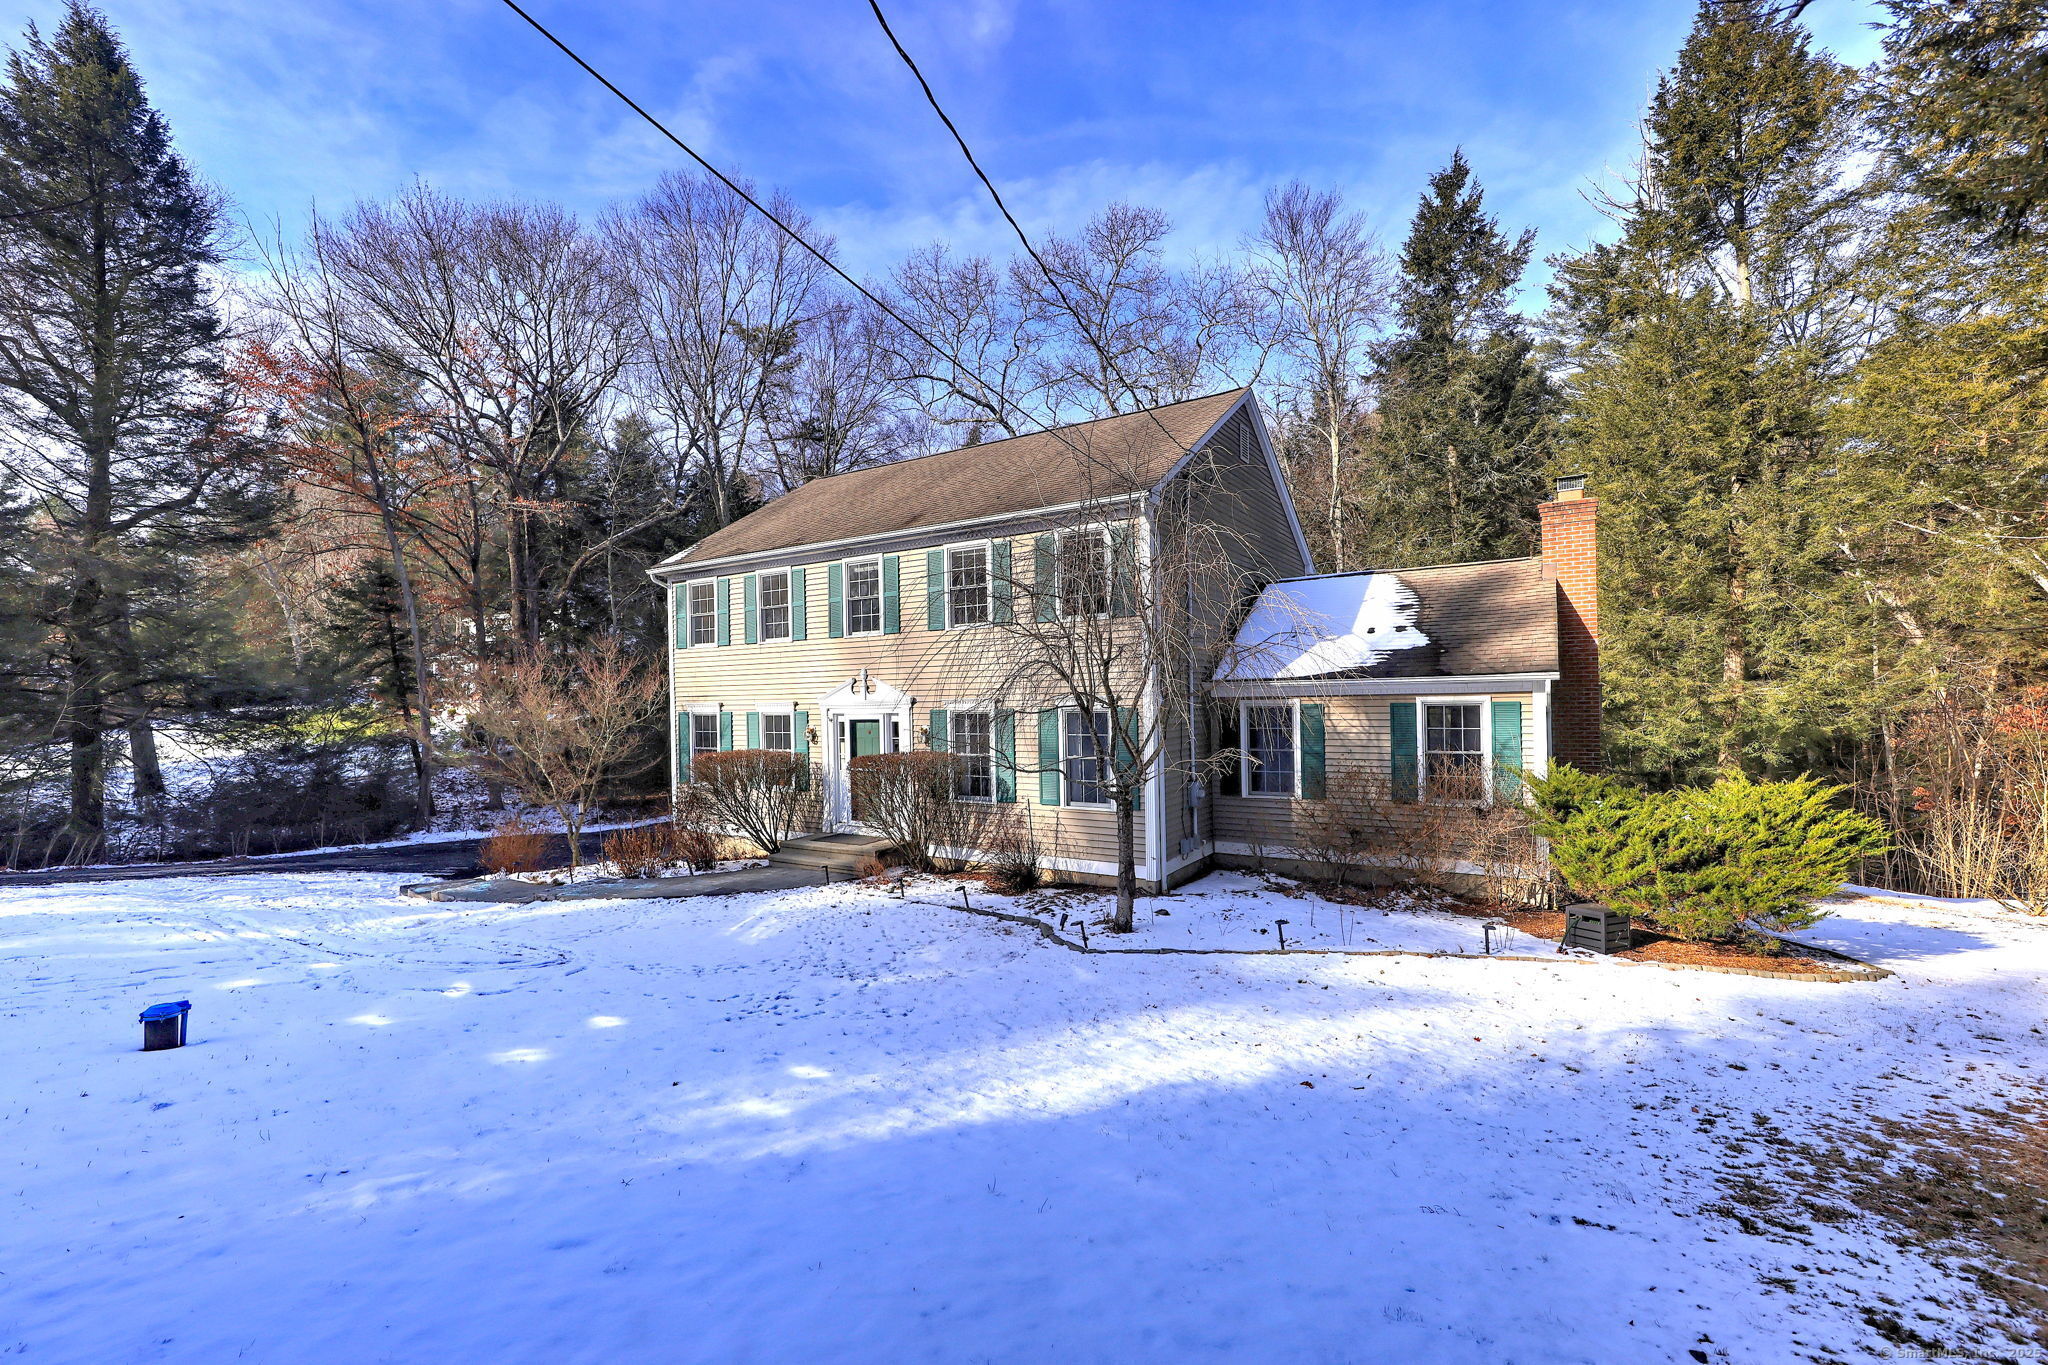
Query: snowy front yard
x=826 y=1125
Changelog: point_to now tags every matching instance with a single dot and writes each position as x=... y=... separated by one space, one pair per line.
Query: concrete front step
x=840 y=852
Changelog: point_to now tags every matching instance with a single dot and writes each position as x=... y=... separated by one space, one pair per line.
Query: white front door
x=864 y=717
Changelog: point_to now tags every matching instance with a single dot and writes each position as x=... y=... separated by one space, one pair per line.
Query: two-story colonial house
x=881 y=611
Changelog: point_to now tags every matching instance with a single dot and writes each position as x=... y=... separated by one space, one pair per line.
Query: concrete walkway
x=427 y=858
x=504 y=890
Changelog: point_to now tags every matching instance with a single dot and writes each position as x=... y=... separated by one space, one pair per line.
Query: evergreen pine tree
x=1710 y=342
x=1965 y=111
x=108 y=348
x=1462 y=434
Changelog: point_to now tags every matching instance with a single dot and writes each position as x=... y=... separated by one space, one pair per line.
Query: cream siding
x=937 y=669
x=1355 y=739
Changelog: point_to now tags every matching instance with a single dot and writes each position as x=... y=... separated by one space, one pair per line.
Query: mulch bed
x=1646 y=945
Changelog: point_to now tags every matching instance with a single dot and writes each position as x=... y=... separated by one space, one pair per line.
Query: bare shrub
x=752 y=792
x=559 y=729
x=514 y=846
x=1969 y=800
x=870 y=869
x=1456 y=841
x=643 y=851
x=694 y=832
x=1352 y=826
x=909 y=798
x=1010 y=852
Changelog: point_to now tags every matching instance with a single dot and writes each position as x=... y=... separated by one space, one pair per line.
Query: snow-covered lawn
x=1242 y=911
x=827 y=1125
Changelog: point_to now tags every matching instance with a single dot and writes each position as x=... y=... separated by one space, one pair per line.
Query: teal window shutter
x=800 y=740
x=679 y=602
x=1314 y=784
x=797 y=615
x=935 y=589
x=750 y=597
x=835 y=600
x=941 y=732
x=1507 y=750
x=1003 y=740
x=892 y=594
x=1126 y=740
x=1043 y=571
x=1001 y=588
x=1123 y=571
x=725 y=611
x=1401 y=749
x=725 y=729
x=1048 y=758
x=682 y=746
x=753 y=729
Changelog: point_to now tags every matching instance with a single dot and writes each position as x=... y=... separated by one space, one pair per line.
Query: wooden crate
x=1596 y=929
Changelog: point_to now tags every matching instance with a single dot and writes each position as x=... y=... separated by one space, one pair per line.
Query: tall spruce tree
x=1710 y=342
x=108 y=353
x=1965 y=111
x=1461 y=444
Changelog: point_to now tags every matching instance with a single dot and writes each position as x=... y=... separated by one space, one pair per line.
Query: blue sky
x=1194 y=107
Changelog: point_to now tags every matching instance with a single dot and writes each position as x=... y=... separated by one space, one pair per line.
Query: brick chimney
x=1571 y=558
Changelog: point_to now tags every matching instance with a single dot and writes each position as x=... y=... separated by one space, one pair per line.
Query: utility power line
x=994 y=393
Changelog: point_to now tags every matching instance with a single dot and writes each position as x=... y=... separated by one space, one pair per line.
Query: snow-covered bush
x=1706 y=863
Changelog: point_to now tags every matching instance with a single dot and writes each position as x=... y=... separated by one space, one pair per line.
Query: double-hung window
x=864 y=597
x=1454 y=751
x=703 y=612
x=1083 y=568
x=967 y=585
x=774 y=592
x=974 y=754
x=703 y=734
x=777 y=731
x=1084 y=749
x=1270 y=766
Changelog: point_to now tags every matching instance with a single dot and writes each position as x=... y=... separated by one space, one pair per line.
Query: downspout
x=1155 y=809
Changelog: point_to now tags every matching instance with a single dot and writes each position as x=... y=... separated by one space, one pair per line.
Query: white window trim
x=694 y=710
x=973 y=708
x=1485 y=705
x=690 y=614
x=1066 y=790
x=1244 y=767
x=1059 y=590
x=787 y=712
x=760 y=609
x=988 y=568
x=846 y=597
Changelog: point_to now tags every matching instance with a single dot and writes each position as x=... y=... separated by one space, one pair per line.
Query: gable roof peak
x=1106 y=457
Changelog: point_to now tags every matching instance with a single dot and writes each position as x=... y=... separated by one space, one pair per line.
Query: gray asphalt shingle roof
x=1080 y=463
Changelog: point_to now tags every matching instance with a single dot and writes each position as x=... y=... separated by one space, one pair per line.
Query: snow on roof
x=1312 y=627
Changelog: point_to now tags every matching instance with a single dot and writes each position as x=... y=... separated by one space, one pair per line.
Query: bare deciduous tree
x=718 y=301
x=564 y=729
x=1324 y=284
x=512 y=320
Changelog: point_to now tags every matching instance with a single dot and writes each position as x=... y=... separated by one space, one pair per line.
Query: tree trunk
x=423 y=805
x=142 y=757
x=1126 y=867
x=149 y=772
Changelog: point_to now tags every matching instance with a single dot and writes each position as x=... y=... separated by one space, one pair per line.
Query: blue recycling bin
x=164 y=1025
